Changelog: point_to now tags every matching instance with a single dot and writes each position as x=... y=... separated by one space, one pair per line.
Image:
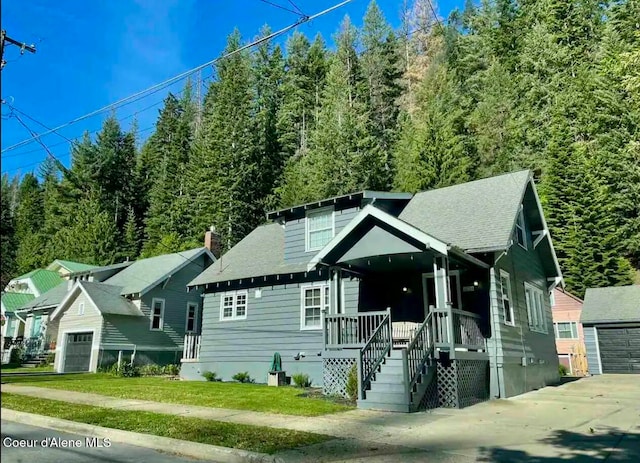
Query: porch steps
x=35 y=361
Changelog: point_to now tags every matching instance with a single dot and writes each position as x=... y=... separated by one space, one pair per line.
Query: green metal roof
x=12 y=301
x=43 y=280
x=611 y=304
x=71 y=266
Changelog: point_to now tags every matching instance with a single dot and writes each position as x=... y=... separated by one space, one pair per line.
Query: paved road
x=115 y=453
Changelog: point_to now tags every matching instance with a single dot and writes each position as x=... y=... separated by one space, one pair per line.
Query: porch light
x=476 y=283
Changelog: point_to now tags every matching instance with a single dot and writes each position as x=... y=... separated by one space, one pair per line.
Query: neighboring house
x=437 y=299
x=566 y=309
x=611 y=321
x=67 y=267
x=13 y=326
x=141 y=313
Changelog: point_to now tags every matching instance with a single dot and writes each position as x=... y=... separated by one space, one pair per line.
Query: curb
x=163 y=444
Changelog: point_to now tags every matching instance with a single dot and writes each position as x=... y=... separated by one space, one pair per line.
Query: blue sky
x=93 y=53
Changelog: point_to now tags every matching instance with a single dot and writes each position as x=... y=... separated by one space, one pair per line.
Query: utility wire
x=281 y=7
x=166 y=83
x=296 y=7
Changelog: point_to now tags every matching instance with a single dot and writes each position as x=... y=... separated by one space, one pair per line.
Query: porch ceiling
x=418 y=261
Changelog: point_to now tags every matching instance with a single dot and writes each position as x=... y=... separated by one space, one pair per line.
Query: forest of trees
x=548 y=85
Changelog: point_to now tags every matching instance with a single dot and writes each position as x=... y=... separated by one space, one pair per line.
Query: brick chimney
x=212 y=242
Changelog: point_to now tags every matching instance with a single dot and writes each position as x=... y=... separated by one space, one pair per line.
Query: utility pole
x=23 y=47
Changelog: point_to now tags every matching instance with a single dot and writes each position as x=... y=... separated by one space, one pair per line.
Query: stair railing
x=419 y=351
x=374 y=351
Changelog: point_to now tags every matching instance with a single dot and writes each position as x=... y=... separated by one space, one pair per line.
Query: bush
x=301 y=380
x=151 y=369
x=16 y=356
x=562 y=370
x=172 y=369
x=352 y=383
x=51 y=358
x=243 y=377
x=210 y=375
x=128 y=371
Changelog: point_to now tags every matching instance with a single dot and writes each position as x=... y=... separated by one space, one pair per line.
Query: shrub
x=16 y=356
x=562 y=370
x=128 y=371
x=51 y=358
x=172 y=369
x=210 y=375
x=243 y=377
x=352 y=383
x=301 y=380
x=151 y=369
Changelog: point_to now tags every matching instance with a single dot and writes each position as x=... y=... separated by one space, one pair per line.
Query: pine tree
x=7 y=233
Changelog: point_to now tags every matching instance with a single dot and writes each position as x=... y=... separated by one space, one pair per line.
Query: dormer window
x=320 y=228
x=521 y=234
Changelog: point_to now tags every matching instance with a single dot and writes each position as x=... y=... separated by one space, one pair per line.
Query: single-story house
x=611 y=321
x=566 y=310
x=435 y=299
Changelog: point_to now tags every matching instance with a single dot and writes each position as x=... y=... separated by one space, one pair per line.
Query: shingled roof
x=51 y=298
x=611 y=304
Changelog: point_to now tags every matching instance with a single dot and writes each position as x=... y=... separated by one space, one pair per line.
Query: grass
x=239 y=436
x=255 y=397
x=10 y=368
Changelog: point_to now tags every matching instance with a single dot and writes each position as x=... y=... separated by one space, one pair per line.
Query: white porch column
x=441 y=282
x=27 y=326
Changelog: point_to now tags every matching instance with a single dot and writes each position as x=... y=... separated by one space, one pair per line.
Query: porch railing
x=351 y=331
x=460 y=329
x=419 y=350
x=191 y=348
x=33 y=346
x=374 y=351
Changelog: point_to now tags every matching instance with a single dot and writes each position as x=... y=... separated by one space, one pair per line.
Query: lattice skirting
x=458 y=384
x=335 y=372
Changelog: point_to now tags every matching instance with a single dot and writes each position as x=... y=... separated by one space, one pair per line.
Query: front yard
x=255 y=397
x=10 y=368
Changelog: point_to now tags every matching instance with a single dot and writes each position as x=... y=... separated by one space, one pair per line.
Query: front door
x=78 y=352
x=36 y=326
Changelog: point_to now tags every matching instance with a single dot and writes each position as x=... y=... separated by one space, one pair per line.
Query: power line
x=280 y=7
x=166 y=83
x=4 y=39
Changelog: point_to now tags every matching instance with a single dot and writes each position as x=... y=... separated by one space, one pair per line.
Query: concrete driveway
x=591 y=419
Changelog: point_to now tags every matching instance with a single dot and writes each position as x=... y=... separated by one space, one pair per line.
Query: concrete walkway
x=593 y=418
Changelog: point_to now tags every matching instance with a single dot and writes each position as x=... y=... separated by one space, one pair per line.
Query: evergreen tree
x=7 y=233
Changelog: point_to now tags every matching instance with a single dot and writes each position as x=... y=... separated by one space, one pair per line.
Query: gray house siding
x=294 y=235
x=513 y=343
x=350 y=292
x=272 y=325
x=591 y=346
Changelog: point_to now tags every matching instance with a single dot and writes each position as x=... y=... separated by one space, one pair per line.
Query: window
x=192 y=311
x=157 y=314
x=521 y=234
x=319 y=228
x=566 y=330
x=535 y=308
x=81 y=308
x=507 y=302
x=233 y=305
x=314 y=300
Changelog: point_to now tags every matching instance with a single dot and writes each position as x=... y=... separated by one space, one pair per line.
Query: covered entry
x=77 y=355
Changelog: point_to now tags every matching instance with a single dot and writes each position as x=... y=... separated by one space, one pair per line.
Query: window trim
x=195 y=318
x=537 y=320
x=81 y=308
x=520 y=225
x=234 y=305
x=311 y=213
x=152 y=314
x=325 y=291
x=504 y=273
x=571 y=330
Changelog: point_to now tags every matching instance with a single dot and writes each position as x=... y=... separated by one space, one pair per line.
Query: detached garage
x=611 y=322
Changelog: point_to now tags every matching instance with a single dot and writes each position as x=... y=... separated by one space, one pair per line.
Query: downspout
x=495 y=350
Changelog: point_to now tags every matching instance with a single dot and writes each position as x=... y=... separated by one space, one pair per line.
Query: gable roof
x=13 y=301
x=611 y=304
x=42 y=280
x=51 y=298
x=70 y=266
x=106 y=298
x=475 y=216
x=144 y=274
x=259 y=253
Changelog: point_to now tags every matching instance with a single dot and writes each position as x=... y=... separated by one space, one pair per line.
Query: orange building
x=566 y=309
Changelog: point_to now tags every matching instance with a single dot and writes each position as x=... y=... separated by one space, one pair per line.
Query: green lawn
x=19 y=369
x=256 y=397
x=239 y=436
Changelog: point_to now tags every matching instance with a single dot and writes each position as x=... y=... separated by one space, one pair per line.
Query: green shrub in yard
x=301 y=380
x=17 y=356
x=562 y=370
x=51 y=358
x=352 y=383
x=210 y=375
x=172 y=369
x=243 y=377
x=151 y=369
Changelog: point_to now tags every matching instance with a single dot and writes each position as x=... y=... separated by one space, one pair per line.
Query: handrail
x=374 y=351
x=350 y=330
x=419 y=350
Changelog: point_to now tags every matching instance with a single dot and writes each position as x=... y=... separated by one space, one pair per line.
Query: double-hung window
x=566 y=330
x=535 y=308
x=319 y=228
x=521 y=233
x=192 y=314
x=157 y=314
x=507 y=300
x=315 y=299
x=233 y=305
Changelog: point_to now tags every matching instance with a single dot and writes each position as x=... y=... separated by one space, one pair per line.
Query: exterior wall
x=123 y=332
x=593 y=351
x=272 y=325
x=568 y=309
x=350 y=292
x=510 y=344
x=294 y=235
x=71 y=322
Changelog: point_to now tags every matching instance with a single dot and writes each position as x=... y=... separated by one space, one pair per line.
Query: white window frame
x=512 y=322
x=195 y=306
x=81 y=308
x=152 y=314
x=536 y=311
x=325 y=302
x=307 y=231
x=520 y=225
x=234 y=305
x=573 y=329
